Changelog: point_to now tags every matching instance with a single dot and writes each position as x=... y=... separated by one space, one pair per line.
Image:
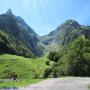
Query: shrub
x=53 y=56
x=47 y=72
x=47 y=62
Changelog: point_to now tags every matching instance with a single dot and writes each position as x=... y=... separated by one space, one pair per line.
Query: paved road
x=69 y=83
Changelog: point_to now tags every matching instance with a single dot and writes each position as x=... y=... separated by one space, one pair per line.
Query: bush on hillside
x=47 y=72
x=47 y=62
x=53 y=56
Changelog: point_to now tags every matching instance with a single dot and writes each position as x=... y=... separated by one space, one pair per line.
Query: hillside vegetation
x=72 y=56
x=25 y=68
x=9 y=45
x=73 y=60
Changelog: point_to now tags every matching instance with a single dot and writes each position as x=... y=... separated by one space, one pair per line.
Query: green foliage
x=88 y=86
x=75 y=59
x=24 y=68
x=53 y=56
x=9 y=45
x=47 y=62
x=47 y=72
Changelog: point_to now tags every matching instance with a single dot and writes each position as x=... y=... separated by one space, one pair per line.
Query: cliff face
x=20 y=33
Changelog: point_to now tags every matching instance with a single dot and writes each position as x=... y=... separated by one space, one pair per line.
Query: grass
x=15 y=84
x=89 y=87
x=28 y=70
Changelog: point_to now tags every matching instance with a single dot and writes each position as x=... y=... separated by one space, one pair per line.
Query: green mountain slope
x=64 y=34
x=74 y=59
x=21 y=33
x=8 y=44
x=25 y=68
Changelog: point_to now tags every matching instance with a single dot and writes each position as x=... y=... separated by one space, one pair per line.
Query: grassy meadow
x=28 y=70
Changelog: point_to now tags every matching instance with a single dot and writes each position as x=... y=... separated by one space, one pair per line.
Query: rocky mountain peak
x=9 y=12
x=71 y=22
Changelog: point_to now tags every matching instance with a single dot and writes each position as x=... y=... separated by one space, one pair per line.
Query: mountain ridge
x=69 y=26
x=21 y=32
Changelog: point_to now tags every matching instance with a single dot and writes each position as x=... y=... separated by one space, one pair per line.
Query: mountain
x=18 y=37
x=73 y=56
x=59 y=34
x=66 y=33
x=9 y=12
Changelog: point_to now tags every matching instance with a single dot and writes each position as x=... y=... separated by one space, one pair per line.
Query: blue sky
x=45 y=15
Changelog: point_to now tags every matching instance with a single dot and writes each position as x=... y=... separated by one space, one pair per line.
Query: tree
x=75 y=59
x=53 y=56
x=47 y=62
x=47 y=72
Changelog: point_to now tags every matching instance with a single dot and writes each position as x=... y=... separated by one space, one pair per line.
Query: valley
x=63 y=52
